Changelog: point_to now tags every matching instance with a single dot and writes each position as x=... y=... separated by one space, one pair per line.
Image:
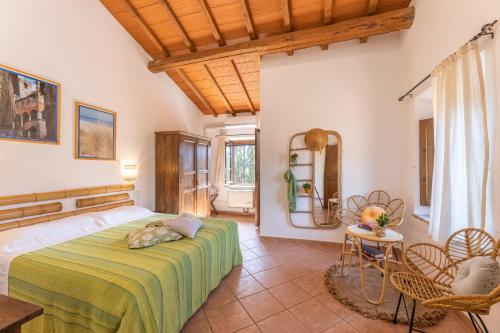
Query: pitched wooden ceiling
x=212 y=48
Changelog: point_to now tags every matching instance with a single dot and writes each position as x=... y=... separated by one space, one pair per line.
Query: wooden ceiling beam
x=328 y=11
x=372 y=8
x=327 y=34
x=223 y=96
x=145 y=27
x=242 y=85
x=248 y=19
x=214 y=28
x=195 y=91
x=178 y=25
x=287 y=15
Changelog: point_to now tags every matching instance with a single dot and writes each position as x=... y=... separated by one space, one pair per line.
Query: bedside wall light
x=129 y=172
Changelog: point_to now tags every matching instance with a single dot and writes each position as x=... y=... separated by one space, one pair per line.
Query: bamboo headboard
x=42 y=212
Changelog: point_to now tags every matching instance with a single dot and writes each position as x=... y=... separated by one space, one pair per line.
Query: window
x=426 y=159
x=240 y=163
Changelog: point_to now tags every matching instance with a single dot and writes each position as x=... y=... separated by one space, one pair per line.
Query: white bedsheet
x=16 y=242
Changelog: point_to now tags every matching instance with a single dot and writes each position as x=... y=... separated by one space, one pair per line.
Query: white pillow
x=46 y=232
x=120 y=215
x=185 y=225
x=478 y=275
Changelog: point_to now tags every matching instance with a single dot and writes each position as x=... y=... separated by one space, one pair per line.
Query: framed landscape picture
x=95 y=133
x=29 y=107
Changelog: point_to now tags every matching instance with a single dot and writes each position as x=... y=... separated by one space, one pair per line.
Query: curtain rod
x=486 y=30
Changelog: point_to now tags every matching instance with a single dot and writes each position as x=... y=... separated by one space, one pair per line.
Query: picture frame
x=30 y=107
x=95 y=133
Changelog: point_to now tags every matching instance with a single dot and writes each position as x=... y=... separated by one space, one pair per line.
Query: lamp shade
x=316 y=139
x=129 y=172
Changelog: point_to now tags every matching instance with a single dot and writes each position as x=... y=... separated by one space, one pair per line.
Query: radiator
x=240 y=198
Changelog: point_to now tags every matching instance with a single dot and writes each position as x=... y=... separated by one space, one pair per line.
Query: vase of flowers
x=293 y=158
x=382 y=223
x=307 y=188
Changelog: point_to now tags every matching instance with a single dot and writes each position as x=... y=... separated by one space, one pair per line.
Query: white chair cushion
x=478 y=275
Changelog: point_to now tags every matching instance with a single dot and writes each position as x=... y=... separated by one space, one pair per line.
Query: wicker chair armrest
x=430 y=261
x=469 y=303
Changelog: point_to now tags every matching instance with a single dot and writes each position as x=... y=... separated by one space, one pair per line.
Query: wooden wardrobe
x=182 y=185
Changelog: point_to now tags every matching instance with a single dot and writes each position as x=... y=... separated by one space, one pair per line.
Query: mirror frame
x=336 y=223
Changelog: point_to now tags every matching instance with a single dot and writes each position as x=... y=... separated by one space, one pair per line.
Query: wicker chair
x=433 y=269
x=355 y=205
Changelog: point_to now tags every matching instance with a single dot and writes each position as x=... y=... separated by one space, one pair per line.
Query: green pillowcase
x=150 y=236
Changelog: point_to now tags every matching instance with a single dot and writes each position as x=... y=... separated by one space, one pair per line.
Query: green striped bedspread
x=96 y=284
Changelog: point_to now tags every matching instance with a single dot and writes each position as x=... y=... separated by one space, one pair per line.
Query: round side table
x=358 y=235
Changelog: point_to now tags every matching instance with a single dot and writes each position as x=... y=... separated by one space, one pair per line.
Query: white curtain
x=218 y=164
x=461 y=144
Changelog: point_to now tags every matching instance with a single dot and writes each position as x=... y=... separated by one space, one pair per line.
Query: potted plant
x=293 y=158
x=382 y=223
x=307 y=188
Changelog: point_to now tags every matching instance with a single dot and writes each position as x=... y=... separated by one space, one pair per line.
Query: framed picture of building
x=95 y=133
x=29 y=107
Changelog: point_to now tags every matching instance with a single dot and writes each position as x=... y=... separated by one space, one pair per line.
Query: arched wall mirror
x=317 y=203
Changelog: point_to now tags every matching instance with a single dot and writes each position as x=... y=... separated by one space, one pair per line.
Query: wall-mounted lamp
x=129 y=172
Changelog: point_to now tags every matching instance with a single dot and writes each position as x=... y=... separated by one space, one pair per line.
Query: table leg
x=384 y=281
x=342 y=256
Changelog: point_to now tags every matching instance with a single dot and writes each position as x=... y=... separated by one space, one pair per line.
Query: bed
x=90 y=281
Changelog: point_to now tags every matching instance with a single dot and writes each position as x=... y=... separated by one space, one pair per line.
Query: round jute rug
x=348 y=291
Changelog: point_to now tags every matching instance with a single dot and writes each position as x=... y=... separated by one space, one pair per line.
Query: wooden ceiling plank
x=287 y=15
x=328 y=11
x=145 y=27
x=211 y=23
x=242 y=85
x=327 y=34
x=178 y=25
x=248 y=19
x=372 y=8
x=229 y=107
x=195 y=90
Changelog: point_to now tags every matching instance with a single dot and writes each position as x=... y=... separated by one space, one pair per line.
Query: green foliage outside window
x=240 y=164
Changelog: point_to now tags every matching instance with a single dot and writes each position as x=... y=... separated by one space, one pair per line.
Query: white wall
x=79 y=44
x=351 y=88
x=440 y=27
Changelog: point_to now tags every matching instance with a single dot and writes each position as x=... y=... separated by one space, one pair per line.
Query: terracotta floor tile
x=313 y=283
x=228 y=318
x=271 y=277
x=341 y=327
x=282 y=322
x=314 y=316
x=330 y=302
x=278 y=259
x=294 y=270
x=289 y=294
x=250 y=329
x=244 y=286
x=236 y=273
x=256 y=265
x=367 y=325
x=198 y=323
x=248 y=255
x=251 y=243
x=220 y=296
x=261 y=305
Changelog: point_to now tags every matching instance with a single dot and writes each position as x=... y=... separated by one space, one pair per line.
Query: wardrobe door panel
x=188 y=177
x=203 y=190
